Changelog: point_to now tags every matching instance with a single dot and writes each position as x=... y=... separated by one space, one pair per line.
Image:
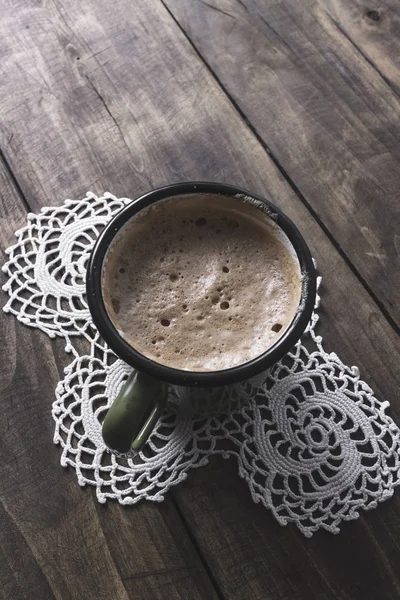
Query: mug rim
x=182 y=377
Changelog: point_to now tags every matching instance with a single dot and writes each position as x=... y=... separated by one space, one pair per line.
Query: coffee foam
x=201 y=283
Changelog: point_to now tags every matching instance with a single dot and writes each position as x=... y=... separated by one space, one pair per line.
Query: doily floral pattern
x=47 y=267
x=311 y=440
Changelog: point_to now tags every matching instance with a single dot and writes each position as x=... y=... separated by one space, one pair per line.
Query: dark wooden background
x=298 y=100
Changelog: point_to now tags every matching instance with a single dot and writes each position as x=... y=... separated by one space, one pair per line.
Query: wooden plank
x=252 y=556
x=86 y=104
x=141 y=128
x=374 y=31
x=57 y=541
x=326 y=115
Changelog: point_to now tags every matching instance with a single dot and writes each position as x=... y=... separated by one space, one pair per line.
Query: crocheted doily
x=312 y=442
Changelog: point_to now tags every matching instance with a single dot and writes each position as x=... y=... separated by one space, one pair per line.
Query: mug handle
x=132 y=416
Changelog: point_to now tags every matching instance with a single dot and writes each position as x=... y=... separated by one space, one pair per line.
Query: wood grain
x=114 y=97
x=57 y=541
x=324 y=112
x=374 y=29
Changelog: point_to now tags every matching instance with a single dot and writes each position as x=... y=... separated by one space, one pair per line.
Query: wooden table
x=296 y=100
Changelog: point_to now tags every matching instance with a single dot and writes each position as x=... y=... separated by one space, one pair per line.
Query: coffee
x=201 y=283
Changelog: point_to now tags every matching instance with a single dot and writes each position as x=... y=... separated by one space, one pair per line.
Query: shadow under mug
x=143 y=397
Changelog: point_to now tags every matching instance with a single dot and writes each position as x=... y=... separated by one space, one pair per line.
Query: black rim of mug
x=137 y=360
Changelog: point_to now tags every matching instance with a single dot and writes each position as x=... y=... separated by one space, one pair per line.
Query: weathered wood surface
x=57 y=541
x=324 y=111
x=375 y=32
x=113 y=96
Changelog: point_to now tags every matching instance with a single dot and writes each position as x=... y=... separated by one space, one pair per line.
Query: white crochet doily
x=311 y=440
